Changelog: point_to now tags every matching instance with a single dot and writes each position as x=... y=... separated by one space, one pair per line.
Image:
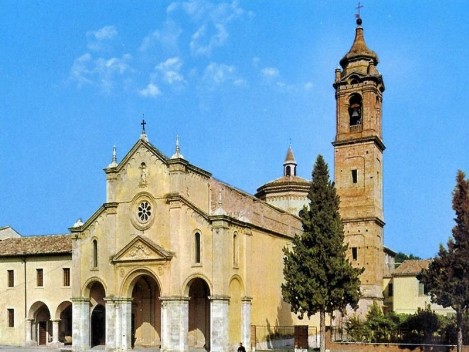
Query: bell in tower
x=355 y=110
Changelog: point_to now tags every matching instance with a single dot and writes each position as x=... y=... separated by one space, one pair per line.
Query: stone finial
x=114 y=157
x=77 y=223
x=177 y=154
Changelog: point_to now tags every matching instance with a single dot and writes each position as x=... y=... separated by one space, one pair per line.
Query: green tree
x=400 y=257
x=447 y=277
x=318 y=277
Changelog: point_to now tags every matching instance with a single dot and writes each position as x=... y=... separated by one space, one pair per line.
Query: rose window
x=144 y=211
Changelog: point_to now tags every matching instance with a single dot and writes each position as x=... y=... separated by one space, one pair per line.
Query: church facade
x=176 y=259
x=168 y=259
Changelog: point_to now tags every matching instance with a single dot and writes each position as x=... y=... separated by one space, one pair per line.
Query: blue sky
x=236 y=81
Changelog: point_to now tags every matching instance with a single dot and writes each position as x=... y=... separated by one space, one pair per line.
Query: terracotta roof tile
x=36 y=245
x=411 y=267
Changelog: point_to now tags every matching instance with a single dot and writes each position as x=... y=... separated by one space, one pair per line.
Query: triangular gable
x=135 y=148
x=142 y=249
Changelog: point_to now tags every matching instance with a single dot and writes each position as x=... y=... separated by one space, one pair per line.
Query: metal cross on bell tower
x=359 y=7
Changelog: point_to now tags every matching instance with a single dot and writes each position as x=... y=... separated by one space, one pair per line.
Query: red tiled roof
x=36 y=245
x=411 y=267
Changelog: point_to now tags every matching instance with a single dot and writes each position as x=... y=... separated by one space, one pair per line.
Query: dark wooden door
x=42 y=332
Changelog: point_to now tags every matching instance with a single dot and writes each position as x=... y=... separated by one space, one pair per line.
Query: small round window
x=144 y=211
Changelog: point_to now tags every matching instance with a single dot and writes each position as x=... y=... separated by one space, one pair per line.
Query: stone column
x=174 y=323
x=34 y=339
x=81 y=324
x=246 y=303
x=124 y=318
x=29 y=340
x=111 y=329
x=55 y=333
x=219 y=323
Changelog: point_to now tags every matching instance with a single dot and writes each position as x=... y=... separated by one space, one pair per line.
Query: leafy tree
x=447 y=277
x=421 y=326
x=318 y=277
x=380 y=326
x=400 y=257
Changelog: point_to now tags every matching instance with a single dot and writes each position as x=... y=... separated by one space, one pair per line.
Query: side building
x=407 y=293
x=36 y=290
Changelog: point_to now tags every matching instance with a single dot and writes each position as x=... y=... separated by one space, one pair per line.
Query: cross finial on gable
x=143 y=135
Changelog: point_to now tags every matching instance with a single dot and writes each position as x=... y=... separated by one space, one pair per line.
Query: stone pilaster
x=174 y=324
x=125 y=320
x=111 y=328
x=28 y=334
x=81 y=324
x=219 y=323
x=34 y=338
x=118 y=324
x=246 y=304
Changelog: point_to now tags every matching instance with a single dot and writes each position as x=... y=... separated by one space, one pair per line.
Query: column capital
x=174 y=298
x=80 y=300
x=246 y=299
x=118 y=299
x=219 y=298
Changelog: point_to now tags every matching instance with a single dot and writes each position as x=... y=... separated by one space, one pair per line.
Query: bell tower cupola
x=358 y=159
x=289 y=165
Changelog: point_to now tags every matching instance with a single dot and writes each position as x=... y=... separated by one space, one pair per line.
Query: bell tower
x=358 y=163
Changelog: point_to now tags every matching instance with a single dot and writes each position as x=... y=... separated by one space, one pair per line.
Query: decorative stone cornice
x=376 y=220
x=375 y=139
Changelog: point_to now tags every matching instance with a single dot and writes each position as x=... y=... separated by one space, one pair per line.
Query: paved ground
x=62 y=349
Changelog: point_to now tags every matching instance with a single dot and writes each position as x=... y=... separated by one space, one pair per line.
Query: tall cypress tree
x=318 y=276
x=447 y=277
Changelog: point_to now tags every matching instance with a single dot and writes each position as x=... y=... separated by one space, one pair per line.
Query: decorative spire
x=359 y=50
x=143 y=135
x=289 y=165
x=114 y=157
x=177 y=154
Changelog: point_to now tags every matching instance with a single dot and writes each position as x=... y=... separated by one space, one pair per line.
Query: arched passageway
x=41 y=325
x=199 y=315
x=146 y=313
x=98 y=314
x=65 y=323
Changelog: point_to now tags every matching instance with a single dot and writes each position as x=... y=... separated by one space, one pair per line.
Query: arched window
x=235 y=249
x=288 y=171
x=95 y=253
x=355 y=110
x=197 y=248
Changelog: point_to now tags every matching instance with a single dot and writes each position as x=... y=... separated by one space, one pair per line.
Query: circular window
x=144 y=211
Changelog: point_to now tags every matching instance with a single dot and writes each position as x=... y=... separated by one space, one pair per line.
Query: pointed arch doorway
x=146 y=312
x=98 y=314
x=199 y=315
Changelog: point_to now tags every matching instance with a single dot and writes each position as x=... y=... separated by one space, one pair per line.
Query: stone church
x=176 y=259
